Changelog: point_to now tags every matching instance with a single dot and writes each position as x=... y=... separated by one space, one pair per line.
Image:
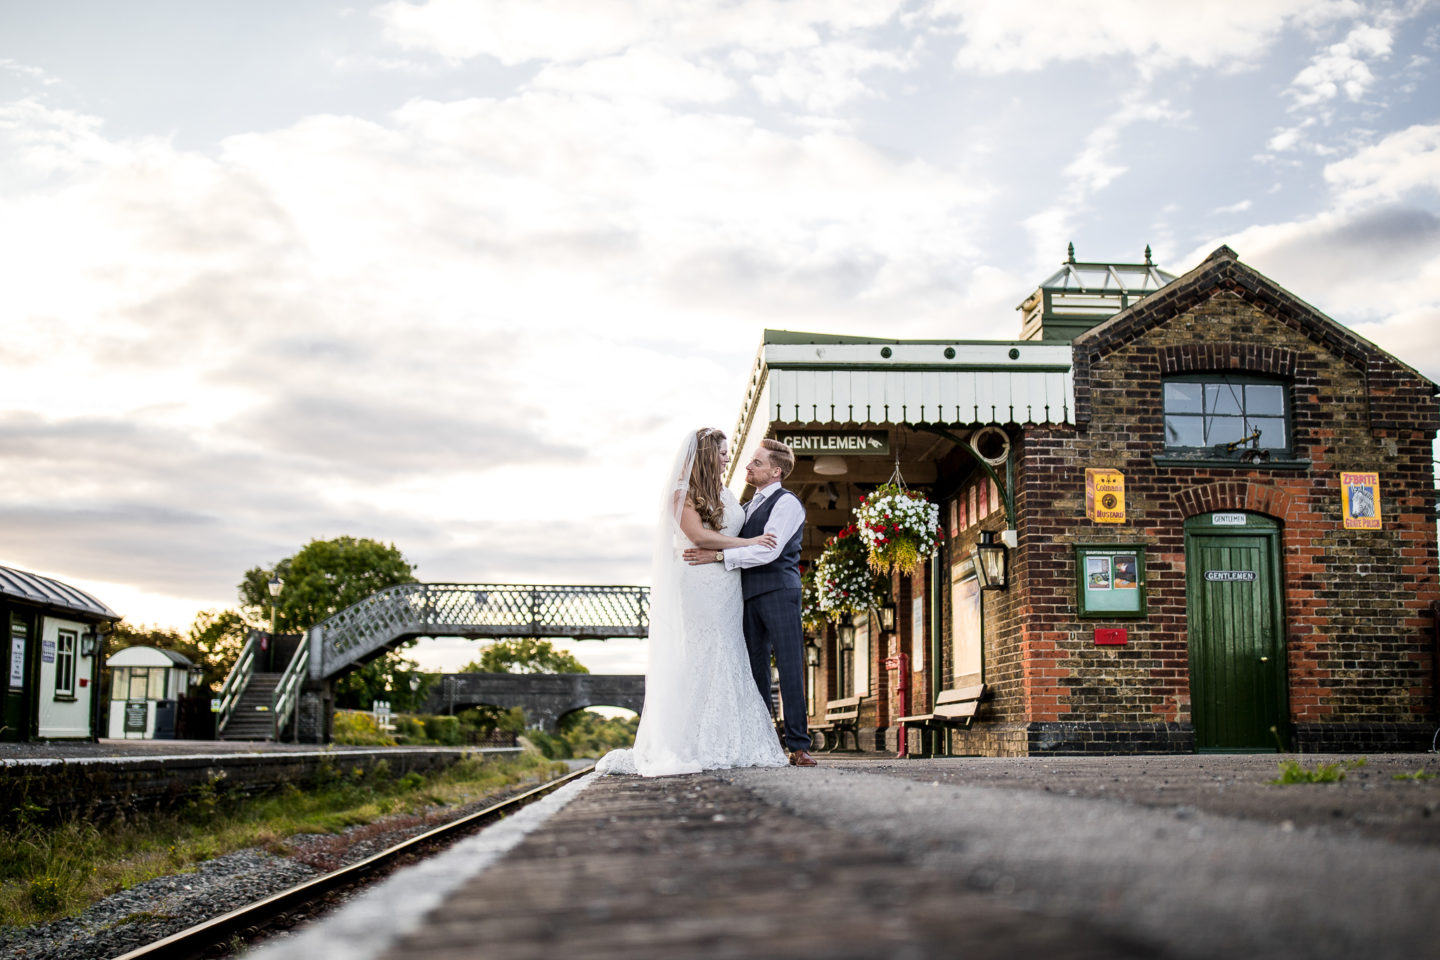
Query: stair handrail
x=236 y=682
x=288 y=689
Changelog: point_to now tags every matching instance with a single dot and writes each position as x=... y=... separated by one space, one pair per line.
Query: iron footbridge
x=489 y=611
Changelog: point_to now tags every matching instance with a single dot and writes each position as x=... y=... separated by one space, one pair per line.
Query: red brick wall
x=1355 y=601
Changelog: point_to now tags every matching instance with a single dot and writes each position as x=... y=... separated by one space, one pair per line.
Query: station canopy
x=43 y=591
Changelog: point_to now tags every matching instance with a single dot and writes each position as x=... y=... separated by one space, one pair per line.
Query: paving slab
x=699 y=867
x=1193 y=882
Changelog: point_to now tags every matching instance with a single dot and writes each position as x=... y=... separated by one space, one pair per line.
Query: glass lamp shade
x=275 y=584
x=846 y=632
x=812 y=655
x=887 y=617
x=830 y=466
x=991 y=562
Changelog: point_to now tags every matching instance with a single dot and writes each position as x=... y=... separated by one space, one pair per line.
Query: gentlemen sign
x=862 y=443
x=1229 y=576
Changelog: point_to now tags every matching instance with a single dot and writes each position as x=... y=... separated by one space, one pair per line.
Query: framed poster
x=1110 y=580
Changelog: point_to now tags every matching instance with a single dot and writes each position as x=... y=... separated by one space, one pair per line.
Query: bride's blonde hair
x=705 y=478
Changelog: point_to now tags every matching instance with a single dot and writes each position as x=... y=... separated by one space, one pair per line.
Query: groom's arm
x=784 y=520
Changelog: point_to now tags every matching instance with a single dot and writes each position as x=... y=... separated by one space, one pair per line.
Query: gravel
x=165 y=905
x=156 y=908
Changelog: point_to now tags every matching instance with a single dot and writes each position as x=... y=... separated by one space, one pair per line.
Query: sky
x=458 y=275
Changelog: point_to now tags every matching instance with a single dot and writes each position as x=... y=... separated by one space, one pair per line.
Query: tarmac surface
x=1175 y=856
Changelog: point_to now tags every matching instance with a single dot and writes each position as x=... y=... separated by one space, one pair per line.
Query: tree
x=219 y=636
x=524 y=655
x=323 y=578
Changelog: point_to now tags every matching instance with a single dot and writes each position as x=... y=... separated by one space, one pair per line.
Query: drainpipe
x=901 y=661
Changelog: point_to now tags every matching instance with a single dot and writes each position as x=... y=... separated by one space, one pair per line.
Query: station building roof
x=46 y=592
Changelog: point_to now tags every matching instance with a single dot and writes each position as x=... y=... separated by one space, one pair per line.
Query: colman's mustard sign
x=1105 y=495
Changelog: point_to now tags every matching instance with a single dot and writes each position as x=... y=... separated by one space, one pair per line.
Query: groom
x=770 y=580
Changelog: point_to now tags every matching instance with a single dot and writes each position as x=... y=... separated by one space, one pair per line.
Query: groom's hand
x=696 y=556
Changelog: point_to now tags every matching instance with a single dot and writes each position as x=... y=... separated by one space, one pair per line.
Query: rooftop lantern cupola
x=1082 y=295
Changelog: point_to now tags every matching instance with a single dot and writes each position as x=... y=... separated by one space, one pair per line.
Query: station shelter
x=147 y=686
x=1178 y=514
x=50 y=682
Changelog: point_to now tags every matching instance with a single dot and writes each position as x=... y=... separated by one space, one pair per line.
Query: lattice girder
x=489 y=610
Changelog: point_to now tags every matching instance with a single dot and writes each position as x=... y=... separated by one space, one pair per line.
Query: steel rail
x=199 y=940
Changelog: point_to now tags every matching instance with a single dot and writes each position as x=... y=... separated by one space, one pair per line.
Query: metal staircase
x=260 y=706
x=481 y=610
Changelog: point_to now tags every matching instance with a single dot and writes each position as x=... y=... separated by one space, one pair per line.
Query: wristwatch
x=719 y=556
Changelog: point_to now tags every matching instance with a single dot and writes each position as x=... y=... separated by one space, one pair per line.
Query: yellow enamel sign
x=1360 y=497
x=1105 y=495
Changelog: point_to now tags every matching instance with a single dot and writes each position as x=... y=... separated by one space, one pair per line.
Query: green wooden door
x=1237 y=653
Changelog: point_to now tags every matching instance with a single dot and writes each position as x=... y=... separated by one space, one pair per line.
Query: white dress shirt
x=784 y=520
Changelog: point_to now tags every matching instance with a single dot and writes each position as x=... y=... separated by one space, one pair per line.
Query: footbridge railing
x=481 y=610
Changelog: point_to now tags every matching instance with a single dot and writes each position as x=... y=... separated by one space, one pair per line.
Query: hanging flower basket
x=900 y=528
x=844 y=582
x=812 y=618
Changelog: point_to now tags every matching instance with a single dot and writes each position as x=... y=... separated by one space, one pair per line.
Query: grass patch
x=1416 y=777
x=56 y=870
x=1293 y=771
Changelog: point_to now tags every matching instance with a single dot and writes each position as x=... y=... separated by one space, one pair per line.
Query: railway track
x=216 y=935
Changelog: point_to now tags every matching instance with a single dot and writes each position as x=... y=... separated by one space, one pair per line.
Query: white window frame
x=66 y=642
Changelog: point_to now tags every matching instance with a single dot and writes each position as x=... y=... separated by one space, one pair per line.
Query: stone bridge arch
x=545 y=697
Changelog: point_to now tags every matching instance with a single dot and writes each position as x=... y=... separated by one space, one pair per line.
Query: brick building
x=1213 y=507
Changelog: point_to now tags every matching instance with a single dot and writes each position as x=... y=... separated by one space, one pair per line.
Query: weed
x=1293 y=771
x=47 y=893
x=1416 y=777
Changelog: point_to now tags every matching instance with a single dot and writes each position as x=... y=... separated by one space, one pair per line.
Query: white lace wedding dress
x=702 y=709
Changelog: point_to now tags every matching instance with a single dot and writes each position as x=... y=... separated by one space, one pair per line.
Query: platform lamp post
x=275 y=584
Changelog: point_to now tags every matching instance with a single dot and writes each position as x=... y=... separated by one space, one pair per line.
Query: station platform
x=954 y=857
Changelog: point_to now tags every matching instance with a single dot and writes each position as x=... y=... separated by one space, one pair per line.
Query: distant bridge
x=545 y=697
x=384 y=620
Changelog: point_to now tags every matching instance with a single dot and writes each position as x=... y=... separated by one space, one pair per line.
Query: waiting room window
x=65 y=664
x=1219 y=414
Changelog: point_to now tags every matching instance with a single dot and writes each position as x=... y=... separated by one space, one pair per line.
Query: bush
x=409 y=729
x=358 y=729
x=443 y=730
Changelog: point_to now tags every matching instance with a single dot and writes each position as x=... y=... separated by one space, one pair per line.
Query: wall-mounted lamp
x=887 y=617
x=846 y=632
x=89 y=640
x=812 y=655
x=991 y=562
x=831 y=466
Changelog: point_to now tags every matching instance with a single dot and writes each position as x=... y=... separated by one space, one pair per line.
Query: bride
x=702 y=709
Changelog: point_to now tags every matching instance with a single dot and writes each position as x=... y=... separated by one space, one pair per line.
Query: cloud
x=1237 y=207
x=569 y=31
x=1342 y=67
x=640 y=73
x=1402 y=163
x=997 y=36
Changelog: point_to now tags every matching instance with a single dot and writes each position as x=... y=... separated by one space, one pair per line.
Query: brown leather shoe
x=799 y=758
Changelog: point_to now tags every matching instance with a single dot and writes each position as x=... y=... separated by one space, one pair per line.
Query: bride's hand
x=764 y=540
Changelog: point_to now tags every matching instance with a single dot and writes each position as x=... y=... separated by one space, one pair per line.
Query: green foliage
x=52 y=870
x=219 y=636
x=1416 y=777
x=1293 y=771
x=324 y=577
x=524 y=655
x=393 y=677
x=592 y=735
x=585 y=734
x=357 y=728
x=443 y=730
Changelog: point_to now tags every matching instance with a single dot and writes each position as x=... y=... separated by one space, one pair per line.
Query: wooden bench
x=841 y=717
x=951 y=707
